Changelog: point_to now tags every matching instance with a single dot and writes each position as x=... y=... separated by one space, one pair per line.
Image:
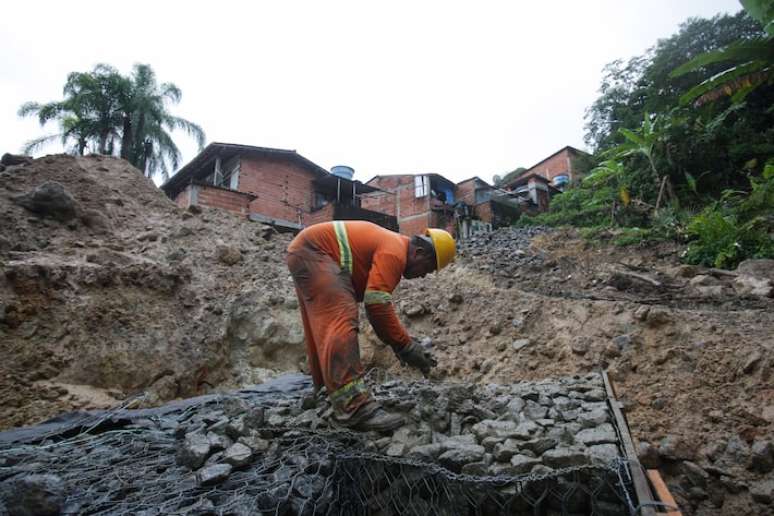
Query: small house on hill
x=274 y=186
x=418 y=201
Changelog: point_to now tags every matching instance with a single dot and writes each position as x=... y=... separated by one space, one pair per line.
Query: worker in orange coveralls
x=337 y=264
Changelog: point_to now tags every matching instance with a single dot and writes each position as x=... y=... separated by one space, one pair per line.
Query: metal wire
x=133 y=470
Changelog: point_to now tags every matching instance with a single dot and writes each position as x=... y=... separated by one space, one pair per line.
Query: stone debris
x=33 y=495
x=50 y=199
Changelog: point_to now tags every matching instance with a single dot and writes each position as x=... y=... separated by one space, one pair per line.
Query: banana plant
x=751 y=62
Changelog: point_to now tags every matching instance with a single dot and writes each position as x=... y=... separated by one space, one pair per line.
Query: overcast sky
x=456 y=88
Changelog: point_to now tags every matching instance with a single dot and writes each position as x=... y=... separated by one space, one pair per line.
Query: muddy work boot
x=371 y=417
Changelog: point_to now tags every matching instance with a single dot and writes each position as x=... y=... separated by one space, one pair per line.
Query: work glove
x=417 y=355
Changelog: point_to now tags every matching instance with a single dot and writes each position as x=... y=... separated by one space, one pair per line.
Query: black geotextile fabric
x=126 y=462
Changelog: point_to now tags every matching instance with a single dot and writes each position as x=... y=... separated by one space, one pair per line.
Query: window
x=421 y=186
x=229 y=176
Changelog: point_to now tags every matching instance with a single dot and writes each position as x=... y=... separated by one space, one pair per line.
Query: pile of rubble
x=272 y=448
x=504 y=253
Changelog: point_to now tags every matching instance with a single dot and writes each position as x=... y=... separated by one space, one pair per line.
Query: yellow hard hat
x=444 y=246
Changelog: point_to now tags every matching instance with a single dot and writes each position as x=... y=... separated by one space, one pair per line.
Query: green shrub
x=737 y=227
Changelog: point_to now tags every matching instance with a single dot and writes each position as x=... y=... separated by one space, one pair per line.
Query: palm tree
x=104 y=110
x=88 y=113
x=146 y=141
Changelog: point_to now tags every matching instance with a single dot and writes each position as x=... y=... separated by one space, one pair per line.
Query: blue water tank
x=343 y=171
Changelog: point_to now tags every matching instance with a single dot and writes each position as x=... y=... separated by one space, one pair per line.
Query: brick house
x=558 y=168
x=535 y=186
x=486 y=203
x=418 y=201
x=274 y=186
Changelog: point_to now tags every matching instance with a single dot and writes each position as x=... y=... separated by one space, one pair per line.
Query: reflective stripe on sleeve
x=376 y=297
x=344 y=250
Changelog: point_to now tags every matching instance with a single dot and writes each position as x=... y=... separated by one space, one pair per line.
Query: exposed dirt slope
x=121 y=292
x=692 y=364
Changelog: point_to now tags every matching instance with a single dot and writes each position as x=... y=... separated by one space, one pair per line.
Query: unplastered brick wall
x=183 y=199
x=412 y=212
x=466 y=192
x=561 y=163
x=235 y=202
x=484 y=211
x=283 y=188
x=414 y=226
x=324 y=214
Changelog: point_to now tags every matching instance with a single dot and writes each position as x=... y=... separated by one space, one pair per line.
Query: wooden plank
x=663 y=492
x=641 y=487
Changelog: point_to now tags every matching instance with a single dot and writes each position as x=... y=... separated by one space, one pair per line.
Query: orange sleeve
x=386 y=271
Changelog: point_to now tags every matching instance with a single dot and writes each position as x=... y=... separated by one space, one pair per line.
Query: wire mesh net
x=134 y=468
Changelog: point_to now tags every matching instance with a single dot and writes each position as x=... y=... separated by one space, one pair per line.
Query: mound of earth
x=109 y=290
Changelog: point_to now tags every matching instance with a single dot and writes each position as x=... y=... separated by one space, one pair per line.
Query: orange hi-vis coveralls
x=335 y=265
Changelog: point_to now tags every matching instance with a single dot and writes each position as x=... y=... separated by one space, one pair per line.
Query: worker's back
x=359 y=245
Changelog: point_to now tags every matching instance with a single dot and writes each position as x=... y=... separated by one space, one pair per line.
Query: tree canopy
x=106 y=112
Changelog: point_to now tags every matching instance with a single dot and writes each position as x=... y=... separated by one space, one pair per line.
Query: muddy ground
x=130 y=296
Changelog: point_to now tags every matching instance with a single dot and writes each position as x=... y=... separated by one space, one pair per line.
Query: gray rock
x=514 y=407
x=475 y=468
x=594 y=395
x=194 y=450
x=694 y=473
x=236 y=428
x=534 y=411
x=593 y=418
x=426 y=451
x=457 y=440
x=601 y=434
x=396 y=449
x=33 y=495
x=455 y=458
x=737 y=452
x=50 y=199
x=564 y=458
x=539 y=446
x=520 y=344
x=561 y=434
x=9 y=160
x=746 y=285
x=526 y=430
x=762 y=457
x=523 y=464
x=214 y=474
x=254 y=441
x=541 y=469
x=604 y=452
x=623 y=342
x=492 y=428
x=218 y=442
x=760 y=268
x=563 y=403
x=648 y=455
x=763 y=491
x=751 y=362
x=674 y=447
x=238 y=455
x=504 y=451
